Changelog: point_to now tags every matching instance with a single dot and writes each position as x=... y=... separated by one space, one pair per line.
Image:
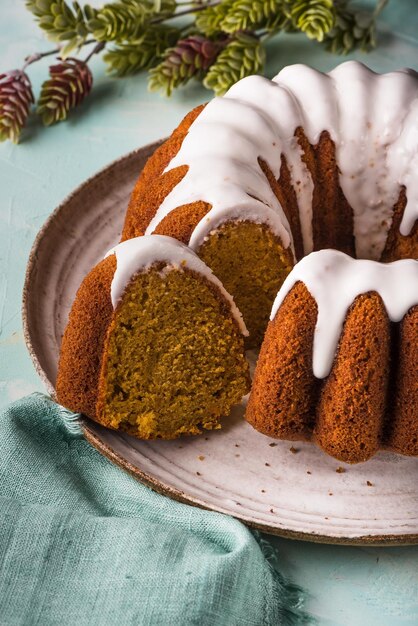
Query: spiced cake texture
x=167 y=360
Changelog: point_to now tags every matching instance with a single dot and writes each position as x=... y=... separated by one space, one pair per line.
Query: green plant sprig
x=217 y=43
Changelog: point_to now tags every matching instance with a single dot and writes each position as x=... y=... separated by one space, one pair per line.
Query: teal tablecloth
x=82 y=543
x=348 y=586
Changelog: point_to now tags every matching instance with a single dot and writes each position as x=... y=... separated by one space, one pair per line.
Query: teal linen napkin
x=82 y=542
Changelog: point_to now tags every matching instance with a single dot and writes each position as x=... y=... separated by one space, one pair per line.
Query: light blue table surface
x=347 y=586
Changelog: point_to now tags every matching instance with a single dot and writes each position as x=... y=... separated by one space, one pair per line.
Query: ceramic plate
x=290 y=490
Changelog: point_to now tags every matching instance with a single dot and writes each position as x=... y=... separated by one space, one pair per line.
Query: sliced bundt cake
x=154 y=343
x=253 y=182
x=276 y=169
x=339 y=360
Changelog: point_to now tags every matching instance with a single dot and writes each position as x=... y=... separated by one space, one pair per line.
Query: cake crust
x=84 y=340
x=352 y=403
x=284 y=389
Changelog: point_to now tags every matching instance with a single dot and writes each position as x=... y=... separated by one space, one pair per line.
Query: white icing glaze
x=218 y=175
x=213 y=219
x=335 y=279
x=372 y=119
x=141 y=253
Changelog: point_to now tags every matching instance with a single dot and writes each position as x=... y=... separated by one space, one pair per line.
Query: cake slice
x=154 y=344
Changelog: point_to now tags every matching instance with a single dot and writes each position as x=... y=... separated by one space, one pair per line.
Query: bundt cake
x=154 y=344
x=272 y=174
x=338 y=364
x=275 y=169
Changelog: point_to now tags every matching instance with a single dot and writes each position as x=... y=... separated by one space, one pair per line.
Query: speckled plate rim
x=113 y=456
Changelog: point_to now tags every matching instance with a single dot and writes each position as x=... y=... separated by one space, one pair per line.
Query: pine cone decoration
x=70 y=82
x=209 y=21
x=62 y=21
x=129 y=58
x=127 y=19
x=190 y=57
x=313 y=17
x=254 y=14
x=352 y=30
x=16 y=97
x=242 y=57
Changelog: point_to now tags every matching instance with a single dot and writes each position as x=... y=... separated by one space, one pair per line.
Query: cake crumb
x=267 y=464
x=201 y=457
x=369 y=484
x=293 y=450
x=263 y=491
x=273 y=445
x=330 y=493
x=308 y=472
x=340 y=470
x=198 y=474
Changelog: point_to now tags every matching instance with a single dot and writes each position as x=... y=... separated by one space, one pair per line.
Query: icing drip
x=221 y=150
x=334 y=279
x=371 y=118
x=213 y=219
x=140 y=253
x=373 y=121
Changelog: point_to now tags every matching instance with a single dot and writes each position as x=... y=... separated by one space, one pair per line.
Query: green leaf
x=242 y=15
x=315 y=18
x=242 y=57
x=129 y=58
x=57 y=17
x=353 y=29
x=69 y=47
